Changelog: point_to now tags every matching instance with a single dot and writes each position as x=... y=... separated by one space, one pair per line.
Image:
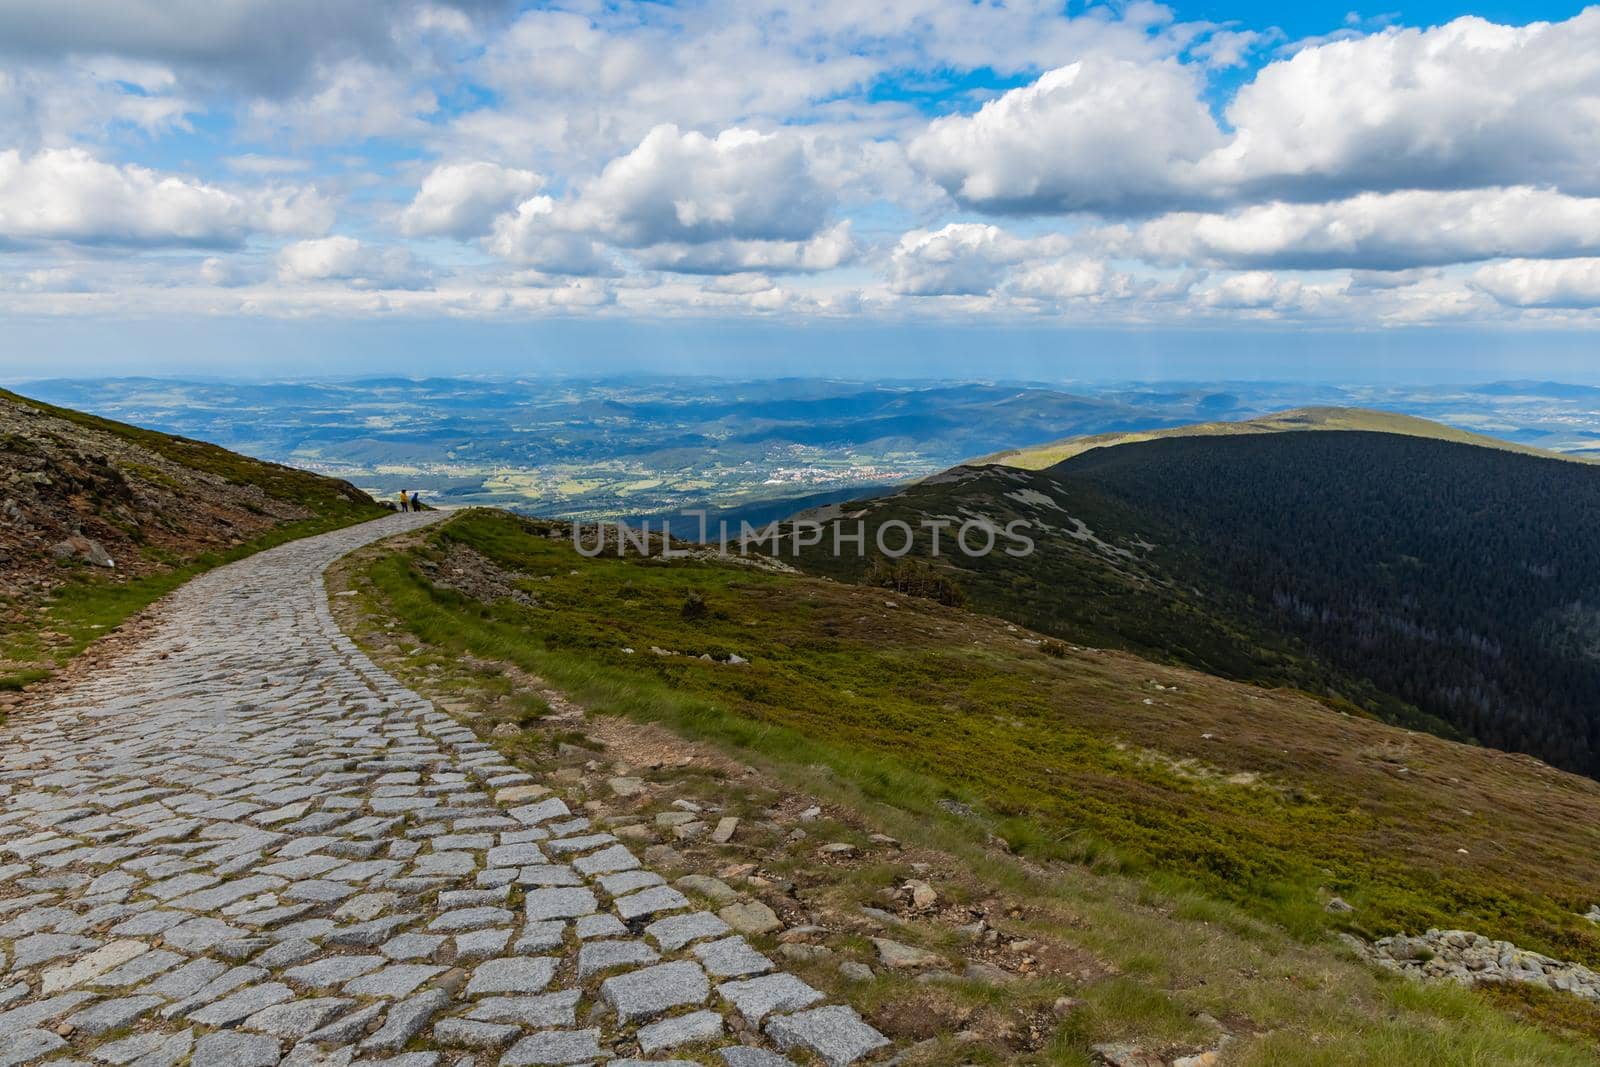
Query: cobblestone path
x=243 y=844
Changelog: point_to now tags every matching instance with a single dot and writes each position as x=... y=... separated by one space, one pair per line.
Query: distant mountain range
x=1413 y=576
x=615 y=447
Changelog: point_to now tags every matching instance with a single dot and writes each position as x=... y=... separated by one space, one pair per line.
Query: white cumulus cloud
x=960 y=259
x=1525 y=283
x=1376 y=231
x=1469 y=104
x=462 y=199
x=533 y=236
x=1070 y=279
x=1462 y=105
x=682 y=186
x=1101 y=134
x=67 y=194
x=345 y=259
x=829 y=249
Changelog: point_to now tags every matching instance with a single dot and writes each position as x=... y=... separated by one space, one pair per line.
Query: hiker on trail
x=416 y=501
x=403 y=505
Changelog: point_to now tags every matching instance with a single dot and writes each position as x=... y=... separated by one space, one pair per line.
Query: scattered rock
x=987 y=973
x=1471 y=959
x=80 y=547
x=750 y=917
x=712 y=888
x=805 y=953
x=1125 y=1055
x=675 y=818
x=664 y=856
x=900 y=956
x=922 y=895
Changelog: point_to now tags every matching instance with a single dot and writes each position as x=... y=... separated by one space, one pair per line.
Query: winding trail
x=241 y=844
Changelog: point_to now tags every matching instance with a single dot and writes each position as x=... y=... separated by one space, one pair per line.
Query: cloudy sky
x=459 y=184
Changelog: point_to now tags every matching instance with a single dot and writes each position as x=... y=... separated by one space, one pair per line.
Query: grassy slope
x=95 y=602
x=1097 y=758
x=1193 y=523
x=1038 y=457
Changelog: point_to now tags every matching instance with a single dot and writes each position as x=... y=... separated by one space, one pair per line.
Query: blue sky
x=918 y=187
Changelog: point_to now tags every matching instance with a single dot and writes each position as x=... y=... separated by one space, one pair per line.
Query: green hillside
x=1439 y=585
x=1038 y=457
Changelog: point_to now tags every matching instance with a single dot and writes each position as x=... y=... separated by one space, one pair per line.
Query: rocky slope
x=91 y=504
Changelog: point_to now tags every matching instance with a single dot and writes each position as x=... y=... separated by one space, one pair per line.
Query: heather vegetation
x=1223 y=795
x=1429 y=583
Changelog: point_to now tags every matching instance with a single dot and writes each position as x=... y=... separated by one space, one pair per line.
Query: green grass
x=1204 y=895
x=921 y=704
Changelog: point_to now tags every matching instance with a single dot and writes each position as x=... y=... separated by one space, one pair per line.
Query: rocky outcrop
x=73 y=494
x=1472 y=959
x=80 y=547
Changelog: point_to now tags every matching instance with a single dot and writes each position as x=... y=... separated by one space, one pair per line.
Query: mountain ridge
x=1325 y=418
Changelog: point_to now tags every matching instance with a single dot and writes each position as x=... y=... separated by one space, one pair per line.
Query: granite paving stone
x=834 y=1034
x=680 y=1030
x=512 y=974
x=731 y=957
x=757 y=997
x=652 y=990
x=597 y=956
x=554 y=1047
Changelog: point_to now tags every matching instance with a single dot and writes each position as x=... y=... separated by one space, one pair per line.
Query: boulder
x=903 y=957
x=80 y=547
x=750 y=917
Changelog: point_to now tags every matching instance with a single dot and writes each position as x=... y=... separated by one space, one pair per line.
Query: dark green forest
x=1441 y=586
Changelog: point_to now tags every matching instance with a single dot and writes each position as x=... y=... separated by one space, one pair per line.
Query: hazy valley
x=756 y=449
